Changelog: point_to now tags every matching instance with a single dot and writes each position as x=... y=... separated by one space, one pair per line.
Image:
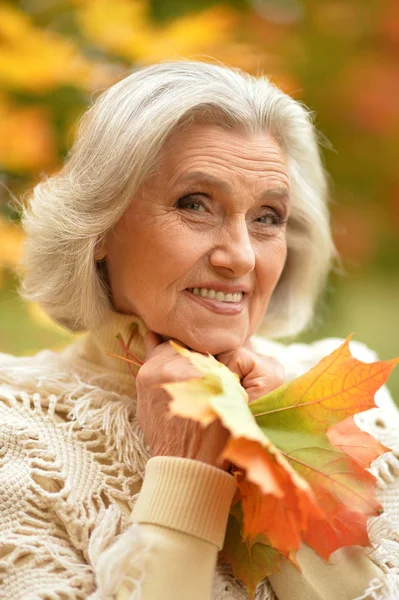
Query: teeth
x=221 y=296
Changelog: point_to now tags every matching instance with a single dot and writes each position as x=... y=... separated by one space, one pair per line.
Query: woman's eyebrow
x=280 y=192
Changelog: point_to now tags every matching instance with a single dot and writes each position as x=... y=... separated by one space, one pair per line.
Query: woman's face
x=210 y=222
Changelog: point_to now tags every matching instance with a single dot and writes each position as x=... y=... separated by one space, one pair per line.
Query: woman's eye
x=271 y=219
x=186 y=202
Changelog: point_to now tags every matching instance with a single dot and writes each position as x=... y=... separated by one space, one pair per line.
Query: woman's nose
x=233 y=249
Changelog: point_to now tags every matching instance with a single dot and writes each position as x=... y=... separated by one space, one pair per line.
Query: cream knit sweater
x=82 y=514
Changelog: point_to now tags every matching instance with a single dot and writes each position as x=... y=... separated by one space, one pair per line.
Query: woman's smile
x=233 y=306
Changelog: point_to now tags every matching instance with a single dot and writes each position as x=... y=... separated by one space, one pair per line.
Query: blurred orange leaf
x=377 y=110
x=27 y=140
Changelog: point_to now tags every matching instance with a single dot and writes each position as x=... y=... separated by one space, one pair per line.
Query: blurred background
x=339 y=57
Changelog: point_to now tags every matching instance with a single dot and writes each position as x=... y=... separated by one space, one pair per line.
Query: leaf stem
x=128 y=360
x=126 y=350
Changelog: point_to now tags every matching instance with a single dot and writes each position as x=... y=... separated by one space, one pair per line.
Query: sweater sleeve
x=346 y=576
x=182 y=510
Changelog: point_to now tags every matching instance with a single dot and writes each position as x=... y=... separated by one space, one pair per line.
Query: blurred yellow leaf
x=208 y=31
x=35 y=59
x=124 y=27
x=11 y=237
x=120 y=27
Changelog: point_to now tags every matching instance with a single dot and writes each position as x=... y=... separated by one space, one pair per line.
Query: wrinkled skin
x=172 y=436
x=224 y=233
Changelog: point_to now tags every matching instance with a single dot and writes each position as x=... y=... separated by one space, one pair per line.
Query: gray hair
x=119 y=140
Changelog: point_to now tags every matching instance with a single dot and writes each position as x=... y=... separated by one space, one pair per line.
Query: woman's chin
x=214 y=343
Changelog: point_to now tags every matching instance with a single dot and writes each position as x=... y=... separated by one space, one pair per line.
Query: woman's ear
x=100 y=251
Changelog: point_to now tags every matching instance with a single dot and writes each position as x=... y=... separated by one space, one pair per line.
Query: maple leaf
x=299 y=458
x=358 y=444
x=303 y=419
x=282 y=520
x=250 y=563
x=337 y=387
x=217 y=394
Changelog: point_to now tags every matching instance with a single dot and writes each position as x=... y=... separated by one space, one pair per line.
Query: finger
x=178 y=342
x=273 y=377
x=225 y=357
x=241 y=361
x=274 y=369
x=157 y=346
x=151 y=341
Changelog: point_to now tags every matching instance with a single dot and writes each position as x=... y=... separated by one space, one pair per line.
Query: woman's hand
x=258 y=374
x=169 y=435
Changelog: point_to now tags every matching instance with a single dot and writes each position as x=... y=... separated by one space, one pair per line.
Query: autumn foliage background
x=339 y=57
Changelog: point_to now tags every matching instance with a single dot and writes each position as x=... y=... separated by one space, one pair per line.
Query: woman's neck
x=119 y=337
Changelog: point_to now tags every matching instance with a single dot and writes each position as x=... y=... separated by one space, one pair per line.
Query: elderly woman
x=192 y=207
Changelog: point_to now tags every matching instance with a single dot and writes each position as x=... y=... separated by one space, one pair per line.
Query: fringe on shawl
x=90 y=406
x=61 y=568
x=122 y=565
x=384 y=535
x=383 y=590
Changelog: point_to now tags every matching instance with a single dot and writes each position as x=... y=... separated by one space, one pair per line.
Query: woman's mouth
x=217 y=301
